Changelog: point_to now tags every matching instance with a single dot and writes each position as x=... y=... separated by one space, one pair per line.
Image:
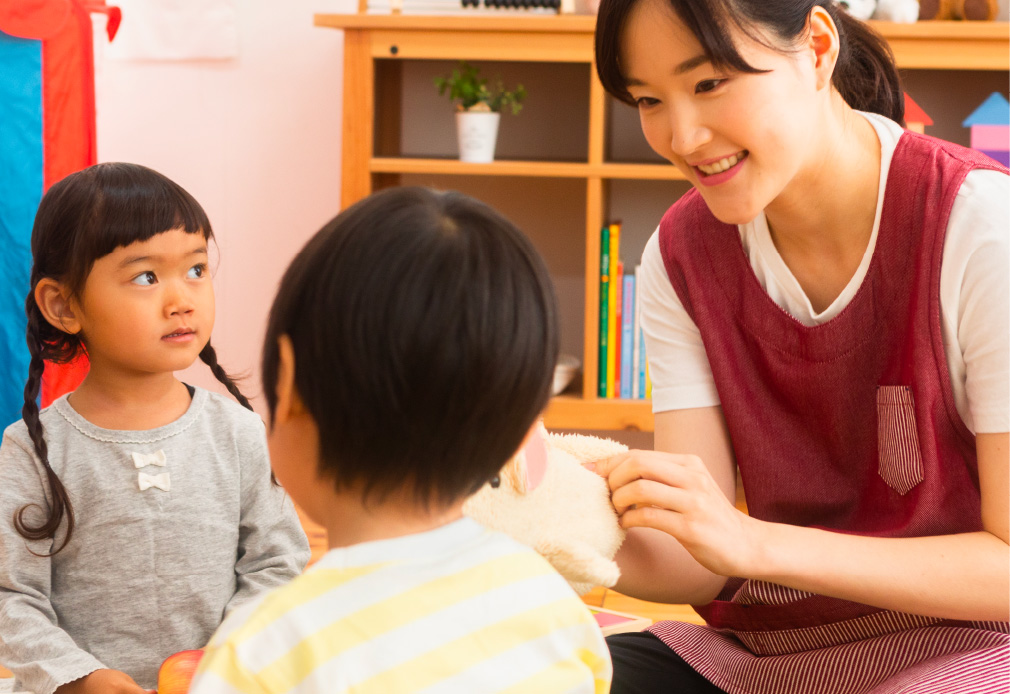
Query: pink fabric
x=850 y=426
x=536 y=459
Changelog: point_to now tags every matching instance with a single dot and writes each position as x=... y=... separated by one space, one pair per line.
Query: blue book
x=641 y=365
x=627 y=333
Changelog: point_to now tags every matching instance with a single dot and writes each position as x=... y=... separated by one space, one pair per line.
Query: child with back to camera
x=410 y=351
x=137 y=511
x=827 y=311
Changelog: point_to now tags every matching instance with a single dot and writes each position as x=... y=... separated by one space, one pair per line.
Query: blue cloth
x=21 y=185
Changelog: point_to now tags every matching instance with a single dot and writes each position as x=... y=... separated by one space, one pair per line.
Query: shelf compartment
x=533 y=169
x=573 y=412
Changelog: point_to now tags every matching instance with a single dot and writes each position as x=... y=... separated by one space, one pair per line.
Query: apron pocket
x=899 y=458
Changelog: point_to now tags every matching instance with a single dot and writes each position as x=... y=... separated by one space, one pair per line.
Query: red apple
x=177 y=672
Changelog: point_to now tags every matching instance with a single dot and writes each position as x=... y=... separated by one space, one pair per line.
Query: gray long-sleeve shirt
x=147 y=572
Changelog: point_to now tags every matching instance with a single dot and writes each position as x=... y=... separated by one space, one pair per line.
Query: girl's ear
x=823 y=43
x=59 y=310
x=289 y=403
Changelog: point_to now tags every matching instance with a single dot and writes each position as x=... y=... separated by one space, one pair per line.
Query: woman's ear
x=56 y=305
x=823 y=43
x=289 y=403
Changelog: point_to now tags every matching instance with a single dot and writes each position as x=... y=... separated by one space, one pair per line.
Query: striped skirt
x=773 y=640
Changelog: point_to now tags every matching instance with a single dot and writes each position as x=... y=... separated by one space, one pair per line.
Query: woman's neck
x=821 y=225
x=129 y=402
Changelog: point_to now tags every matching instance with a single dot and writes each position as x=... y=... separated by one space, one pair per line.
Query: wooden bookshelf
x=376 y=45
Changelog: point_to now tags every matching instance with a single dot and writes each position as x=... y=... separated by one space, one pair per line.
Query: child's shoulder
x=222 y=411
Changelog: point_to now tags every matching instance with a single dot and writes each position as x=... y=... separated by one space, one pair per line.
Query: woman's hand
x=677 y=495
x=103 y=682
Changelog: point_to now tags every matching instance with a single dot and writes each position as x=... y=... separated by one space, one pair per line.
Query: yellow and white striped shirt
x=455 y=609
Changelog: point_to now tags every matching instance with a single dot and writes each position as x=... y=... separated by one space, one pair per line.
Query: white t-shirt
x=974 y=301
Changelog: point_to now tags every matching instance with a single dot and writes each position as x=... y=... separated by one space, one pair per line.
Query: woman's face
x=740 y=138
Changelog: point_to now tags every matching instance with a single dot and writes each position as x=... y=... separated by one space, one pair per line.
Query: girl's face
x=149 y=307
x=740 y=138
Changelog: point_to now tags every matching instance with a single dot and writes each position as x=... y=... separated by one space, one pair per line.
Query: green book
x=604 y=309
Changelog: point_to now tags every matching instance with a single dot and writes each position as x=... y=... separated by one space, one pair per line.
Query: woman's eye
x=197 y=271
x=645 y=102
x=145 y=279
x=706 y=86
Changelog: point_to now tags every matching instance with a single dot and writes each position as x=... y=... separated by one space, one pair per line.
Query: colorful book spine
x=619 y=318
x=637 y=391
x=601 y=389
x=615 y=250
x=627 y=334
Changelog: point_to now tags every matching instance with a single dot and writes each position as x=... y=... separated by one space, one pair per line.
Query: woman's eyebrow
x=684 y=67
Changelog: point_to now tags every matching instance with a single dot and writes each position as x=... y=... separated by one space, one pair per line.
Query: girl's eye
x=145 y=279
x=645 y=102
x=706 y=86
x=197 y=271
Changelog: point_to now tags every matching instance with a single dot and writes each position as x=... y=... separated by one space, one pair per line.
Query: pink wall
x=255 y=139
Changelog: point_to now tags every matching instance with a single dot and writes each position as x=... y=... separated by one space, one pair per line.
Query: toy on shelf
x=976 y=10
x=545 y=499
x=916 y=119
x=905 y=11
x=990 y=128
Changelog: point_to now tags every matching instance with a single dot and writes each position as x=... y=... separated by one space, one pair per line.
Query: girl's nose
x=179 y=301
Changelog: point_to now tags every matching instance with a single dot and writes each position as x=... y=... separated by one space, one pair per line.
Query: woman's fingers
x=644 y=492
x=668 y=468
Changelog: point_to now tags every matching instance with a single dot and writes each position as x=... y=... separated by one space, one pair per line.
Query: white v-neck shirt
x=974 y=300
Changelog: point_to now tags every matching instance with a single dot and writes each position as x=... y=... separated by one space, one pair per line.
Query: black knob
x=394 y=49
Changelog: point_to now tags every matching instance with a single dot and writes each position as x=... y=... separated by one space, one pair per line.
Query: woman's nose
x=687 y=133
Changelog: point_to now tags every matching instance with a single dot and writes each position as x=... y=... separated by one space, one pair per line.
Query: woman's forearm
x=655 y=567
x=964 y=576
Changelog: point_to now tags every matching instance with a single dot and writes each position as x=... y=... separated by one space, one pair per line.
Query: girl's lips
x=180 y=336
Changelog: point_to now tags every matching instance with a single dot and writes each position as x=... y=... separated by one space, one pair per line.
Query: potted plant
x=478 y=109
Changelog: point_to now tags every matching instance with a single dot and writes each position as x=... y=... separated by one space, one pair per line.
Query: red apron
x=849 y=426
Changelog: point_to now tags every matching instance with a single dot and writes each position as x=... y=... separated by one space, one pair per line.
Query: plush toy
x=860 y=9
x=905 y=11
x=544 y=498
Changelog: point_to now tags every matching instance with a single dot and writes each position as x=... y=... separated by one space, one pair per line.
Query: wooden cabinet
x=377 y=46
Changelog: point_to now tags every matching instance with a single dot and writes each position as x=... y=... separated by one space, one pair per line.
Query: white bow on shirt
x=161 y=481
x=144 y=459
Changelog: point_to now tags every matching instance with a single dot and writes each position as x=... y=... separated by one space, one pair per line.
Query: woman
x=827 y=310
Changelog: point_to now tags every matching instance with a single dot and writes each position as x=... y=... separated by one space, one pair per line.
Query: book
x=615 y=250
x=627 y=334
x=612 y=622
x=601 y=389
x=618 y=319
x=637 y=391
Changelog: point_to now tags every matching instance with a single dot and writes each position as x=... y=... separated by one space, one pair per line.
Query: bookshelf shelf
x=376 y=47
x=533 y=169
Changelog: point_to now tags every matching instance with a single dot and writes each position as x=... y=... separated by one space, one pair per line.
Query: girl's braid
x=61 y=505
x=209 y=357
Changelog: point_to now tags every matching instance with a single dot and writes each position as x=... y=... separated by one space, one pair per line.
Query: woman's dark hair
x=80 y=219
x=865 y=74
x=425 y=334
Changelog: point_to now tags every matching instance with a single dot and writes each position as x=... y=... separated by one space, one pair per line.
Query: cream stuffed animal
x=544 y=498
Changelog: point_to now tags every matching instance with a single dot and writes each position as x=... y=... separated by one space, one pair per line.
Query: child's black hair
x=425 y=334
x=865 y=74
x=80 y=219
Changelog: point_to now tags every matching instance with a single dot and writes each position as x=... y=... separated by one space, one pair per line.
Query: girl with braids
x=827 y=311
x=136 y=511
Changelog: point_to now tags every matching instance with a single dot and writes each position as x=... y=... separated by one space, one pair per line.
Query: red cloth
x=849 y=425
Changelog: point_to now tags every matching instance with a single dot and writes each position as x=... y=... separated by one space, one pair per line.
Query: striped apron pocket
x=899 y=458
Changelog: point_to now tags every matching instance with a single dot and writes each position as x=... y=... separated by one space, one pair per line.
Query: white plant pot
x=477 y=133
